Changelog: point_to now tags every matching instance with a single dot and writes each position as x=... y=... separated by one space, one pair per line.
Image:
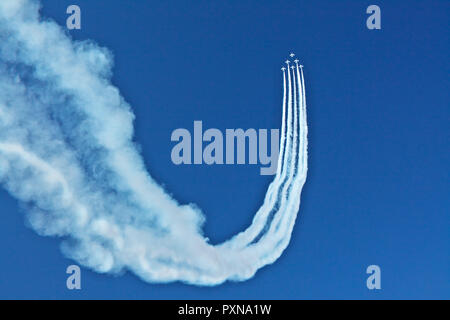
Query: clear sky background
x=378 y=187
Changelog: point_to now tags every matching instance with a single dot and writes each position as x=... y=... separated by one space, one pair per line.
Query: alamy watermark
x=73 y=282
x=74 y=20
x=213 y=147
x=374 y=280
x=373 y=22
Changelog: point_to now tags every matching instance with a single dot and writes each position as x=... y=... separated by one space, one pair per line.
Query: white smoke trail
x=260 y=220
x=66 y=151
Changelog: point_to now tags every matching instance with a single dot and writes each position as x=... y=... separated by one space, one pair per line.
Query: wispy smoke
x=66 y=152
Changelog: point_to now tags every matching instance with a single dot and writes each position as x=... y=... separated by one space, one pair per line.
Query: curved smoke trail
x=66 y=152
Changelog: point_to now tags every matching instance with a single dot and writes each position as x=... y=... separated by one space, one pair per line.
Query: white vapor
x=66 y=152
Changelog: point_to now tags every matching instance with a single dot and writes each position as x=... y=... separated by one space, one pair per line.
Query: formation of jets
x=296 y=62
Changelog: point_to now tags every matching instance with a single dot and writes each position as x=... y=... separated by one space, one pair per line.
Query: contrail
x=66 y=152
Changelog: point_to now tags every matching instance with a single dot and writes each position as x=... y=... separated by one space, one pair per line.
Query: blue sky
x=378 y=113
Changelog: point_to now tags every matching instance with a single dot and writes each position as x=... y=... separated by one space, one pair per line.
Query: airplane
x=296 y=60
x=292 y=54
x=283 y=68
x=287 y=61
